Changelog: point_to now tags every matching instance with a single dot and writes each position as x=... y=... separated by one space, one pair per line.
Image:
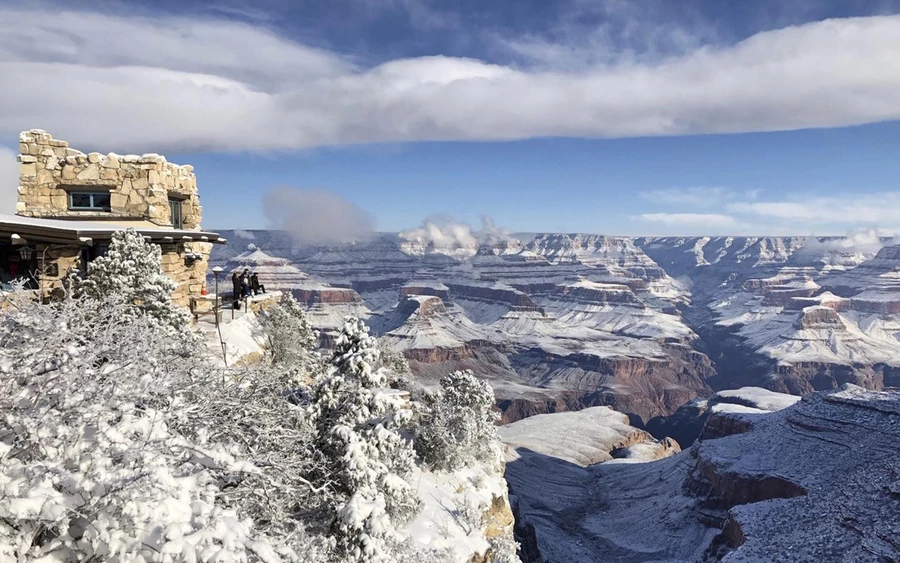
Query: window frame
x=176 y=203
x=91 y=193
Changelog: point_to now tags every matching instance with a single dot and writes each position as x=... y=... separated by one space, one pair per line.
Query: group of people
x=246 y=284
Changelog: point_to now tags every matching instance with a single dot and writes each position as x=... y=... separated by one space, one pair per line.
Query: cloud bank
x=862 y=216
x=9 y=180
x=316 y=216
x=444 y=233
x=167 y=83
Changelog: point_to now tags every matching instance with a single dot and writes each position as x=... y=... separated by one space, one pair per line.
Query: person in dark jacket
x=255 y=285
x=236 y=286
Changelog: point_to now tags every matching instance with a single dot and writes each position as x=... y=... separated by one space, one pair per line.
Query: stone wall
x=190 y=275
x=54 y=262
x=139 y=186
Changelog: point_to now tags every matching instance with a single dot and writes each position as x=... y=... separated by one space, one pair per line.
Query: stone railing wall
x=190 y=275
x=139 y=186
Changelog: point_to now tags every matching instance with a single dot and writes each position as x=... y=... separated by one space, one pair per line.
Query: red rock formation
x=721 y=423
x=597 y=293
x=437 y=355
x=324 y=294
x=362 y=286
x=642 y=387
x=881 y=302
x=780 y=296
x=413 y=289
x=819 y=317
x=838 y=304
x=494 y=294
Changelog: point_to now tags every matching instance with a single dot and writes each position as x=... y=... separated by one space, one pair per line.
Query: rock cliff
x=816 y=481
x=566 y=321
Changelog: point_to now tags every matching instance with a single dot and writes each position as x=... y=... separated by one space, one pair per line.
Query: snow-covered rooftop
x=65 y=230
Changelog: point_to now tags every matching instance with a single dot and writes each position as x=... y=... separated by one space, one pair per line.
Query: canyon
x=562 y=322
x=770 y=478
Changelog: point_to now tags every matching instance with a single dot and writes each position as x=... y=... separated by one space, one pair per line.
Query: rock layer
x=809 y=482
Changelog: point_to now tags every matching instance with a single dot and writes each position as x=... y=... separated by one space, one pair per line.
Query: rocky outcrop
x=792 y=486
x=780 y=296
x=432 y=288
x=596 y=293
x=879 y=302
x=642 y=387
x=494 y=293
x=728 y=421
x=647 y=450
x=518 y=408
x=427 y=331
x=438 y=355
x=315 y=294
x=800 y=378
x=587 y=437
x=819 y=317
x=826 y=299
x=722 y=414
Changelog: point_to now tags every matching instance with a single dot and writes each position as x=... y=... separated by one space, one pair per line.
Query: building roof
x=32 y=229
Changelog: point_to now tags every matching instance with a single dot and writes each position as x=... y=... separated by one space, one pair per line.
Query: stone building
x=70 y=203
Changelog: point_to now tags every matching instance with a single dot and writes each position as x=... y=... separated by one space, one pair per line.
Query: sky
x=335 y=118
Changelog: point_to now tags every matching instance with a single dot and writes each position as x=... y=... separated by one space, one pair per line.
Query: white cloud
x=867 y=241
x=9 y=180
x=852 y=208
x=445 y=233
x=697 y=196
x=316 y=216
x=701 y=220
x=240 y=233
x=127 y=83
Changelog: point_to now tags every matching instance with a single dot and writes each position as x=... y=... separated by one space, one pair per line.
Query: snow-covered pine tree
x=131 y=270
x=291 y=337
x=92 y=465
x=121 y=442
x=393 y=361
x=364 y=458
x=460 y=425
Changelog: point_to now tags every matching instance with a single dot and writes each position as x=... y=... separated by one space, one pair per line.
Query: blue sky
x=621 y=117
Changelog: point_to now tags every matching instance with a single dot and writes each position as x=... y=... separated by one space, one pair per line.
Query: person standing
x=245 y=283
x=236 y=287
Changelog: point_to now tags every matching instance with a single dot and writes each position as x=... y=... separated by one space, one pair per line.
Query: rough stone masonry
x=139 y=187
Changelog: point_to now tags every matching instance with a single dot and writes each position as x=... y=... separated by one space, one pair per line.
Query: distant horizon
x=527 y=234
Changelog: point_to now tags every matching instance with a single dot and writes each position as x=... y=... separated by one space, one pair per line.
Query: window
x=88 y=255
x=175 y=213
x=89 y=201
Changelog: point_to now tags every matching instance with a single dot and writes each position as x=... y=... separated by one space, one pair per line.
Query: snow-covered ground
x=758 y=398
x=462 y=510
x=583 y=437
x=816 y=481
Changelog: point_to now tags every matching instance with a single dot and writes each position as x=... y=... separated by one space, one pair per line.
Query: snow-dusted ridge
x=562 y=321
x=814 y=480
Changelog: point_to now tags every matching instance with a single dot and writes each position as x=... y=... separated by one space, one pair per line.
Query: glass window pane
x=175 y=213
x=101 y=201
x=80 y=200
